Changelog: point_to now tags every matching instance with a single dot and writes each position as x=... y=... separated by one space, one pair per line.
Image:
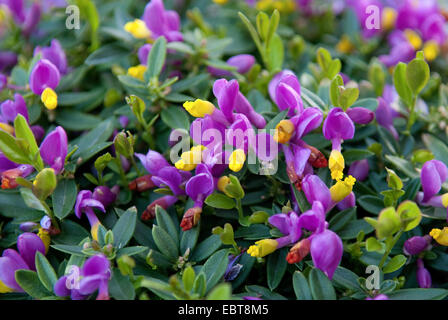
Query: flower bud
x=124 y=144
x=416 y=245
x=44 y=184
x=359 y=169
x=191 y=218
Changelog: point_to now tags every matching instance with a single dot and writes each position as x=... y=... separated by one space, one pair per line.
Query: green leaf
x=275 y=53
x=310 y=99
x=30 y=283
x=417 y=75
x=45 y=272
x=189 y=239
x=124 y=228
x=437 y=147
x=419 y=294
x=31 y=200
x=64 y=198
x=321 y=287
x=221 y=292
x=11 y=149
x=348 y=97
x=215 y=267
x=372 y=244
x=75 y=250
x=352 y=229
x=156 y=58
x=351 y=155
x=346 y=279
x=341 y=219
x=200 y=284
x=188 y=278
x=394 y=264
x=166 y=223
x=401 y=83
x=276 y=267
x=205 y=248
x=175 y=118
x=220 y=201
x=409 y=214
x=301 y=287
x=165 y=243
x=120 y=287
x=22 y=131
x=107 y=54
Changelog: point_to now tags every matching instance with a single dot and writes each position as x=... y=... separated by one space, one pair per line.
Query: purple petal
x=28 y=244
x=54 y=149
x=326 y=252
x=360 y=115
x=44 y=75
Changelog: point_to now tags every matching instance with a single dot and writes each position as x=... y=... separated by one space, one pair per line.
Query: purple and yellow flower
x=44 y=78
x=55 y=54
x=85 y=203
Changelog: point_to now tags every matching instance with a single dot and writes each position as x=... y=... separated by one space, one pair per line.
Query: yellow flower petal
x=413 y=38
x=137 y=71
x=138 y=29
x=336 y=164
x=199 y=108
x=284 y=131
x=237 y=159
x=389 y=18
x=431 y=50
x=342 y=189
x=49 y=98
x=262 y=248
x=441 y=236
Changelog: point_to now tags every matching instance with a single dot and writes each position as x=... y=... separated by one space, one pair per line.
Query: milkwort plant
x=271 y=149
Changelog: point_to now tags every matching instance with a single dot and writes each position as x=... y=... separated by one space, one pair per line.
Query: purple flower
x=55 y=54
x=11 y=108
x=316 y=190
x=7 y=59
x=198 y=188
x=105 y=195
x=95 y=274
x=326 y=251
x=359 y=169
x=385 y=117
x=3 y=81
x=284 y=90
x=162 y=22
x=32 y=19
x=152 y=161
x=44 y=75
x=348 y=202
x=434 y=173
x=230 y=99
x=416 y=245
x=338 y=127
x=423 y=275
x=242 y=62
x=28 y=244
x=54 y=149
x=361 y=9
x=143 y=53
x=360 y=115
x=307 y=121
x=232 y=269
x=85 y=203
x=288 y=224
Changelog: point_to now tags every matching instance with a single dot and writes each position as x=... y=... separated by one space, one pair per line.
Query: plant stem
x=389 y=248
x=54 y=222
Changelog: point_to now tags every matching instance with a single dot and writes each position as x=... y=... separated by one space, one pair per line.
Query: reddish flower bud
x=165 y=202
x=191 y=218
x=298 y=251
x=317 y=159
x=142 y=183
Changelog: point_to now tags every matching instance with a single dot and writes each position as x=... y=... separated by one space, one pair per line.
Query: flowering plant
x=270 y=149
